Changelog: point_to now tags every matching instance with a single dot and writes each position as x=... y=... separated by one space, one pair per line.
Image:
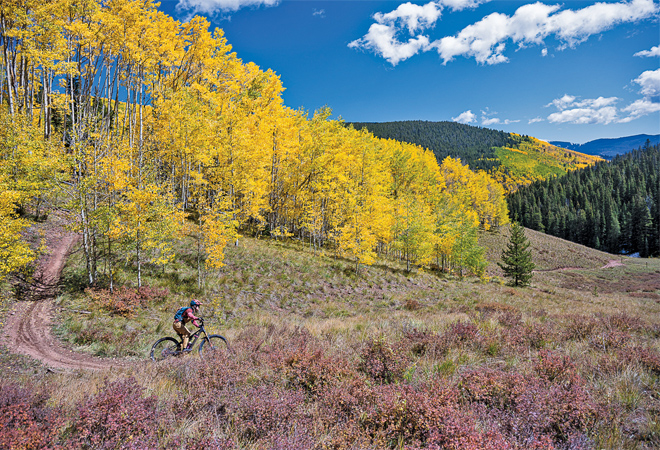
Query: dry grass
x=606 y=321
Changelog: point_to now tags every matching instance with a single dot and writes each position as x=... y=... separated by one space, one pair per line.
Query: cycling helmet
x=195 y=303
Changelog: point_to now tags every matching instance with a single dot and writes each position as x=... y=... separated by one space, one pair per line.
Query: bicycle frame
x=192 y=340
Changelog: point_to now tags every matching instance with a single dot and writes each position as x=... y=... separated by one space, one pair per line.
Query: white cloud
x=655 y=51
x=588 y=111
x=214 y=6
x=544 y=52
x=491 y=121
x=596 y=103
x=650 y=83
x=487 y=118
x=535 y=120
x=383 y=37
x=640 y=108
x=562 y=103
x=411 y=16
x=574 y=27
x=465 y=117
x=570 y=101
x=602 y=110
x=532 y=23
x=585 y=116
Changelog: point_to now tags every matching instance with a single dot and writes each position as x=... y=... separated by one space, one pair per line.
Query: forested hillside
x=514 y=160
x=613 y=206
x=475 y=146
x=146 y=130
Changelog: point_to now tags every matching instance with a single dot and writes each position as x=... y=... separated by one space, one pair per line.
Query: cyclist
x=182 y=317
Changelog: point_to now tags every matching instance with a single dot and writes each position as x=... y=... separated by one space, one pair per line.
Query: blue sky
x=572 y=71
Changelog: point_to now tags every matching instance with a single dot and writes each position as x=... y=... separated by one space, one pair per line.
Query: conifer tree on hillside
x=516 y=258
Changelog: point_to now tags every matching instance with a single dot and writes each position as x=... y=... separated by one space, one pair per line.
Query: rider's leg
x=182 y=331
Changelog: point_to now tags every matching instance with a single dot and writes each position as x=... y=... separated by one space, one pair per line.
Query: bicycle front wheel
x=164 y=348
x=214 y=344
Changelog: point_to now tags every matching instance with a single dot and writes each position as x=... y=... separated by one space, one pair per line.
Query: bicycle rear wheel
x=164 y=348
x=215 y=344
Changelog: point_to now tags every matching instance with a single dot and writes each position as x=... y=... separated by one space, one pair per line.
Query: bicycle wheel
x=164 y=348
x=214 y=344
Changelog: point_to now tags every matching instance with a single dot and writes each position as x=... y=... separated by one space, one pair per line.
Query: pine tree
x=517 y=259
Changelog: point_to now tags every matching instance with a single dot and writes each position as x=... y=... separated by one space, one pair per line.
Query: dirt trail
x=613 y=263
x=28 y=328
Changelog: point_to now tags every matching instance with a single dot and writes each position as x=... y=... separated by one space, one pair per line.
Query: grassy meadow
x=326 y=359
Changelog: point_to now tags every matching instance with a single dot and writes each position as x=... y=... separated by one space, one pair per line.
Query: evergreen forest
x=611 y=206
x=475 y=146
x=513 y=160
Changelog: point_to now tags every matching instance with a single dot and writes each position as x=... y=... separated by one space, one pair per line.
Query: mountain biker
x=182 y=317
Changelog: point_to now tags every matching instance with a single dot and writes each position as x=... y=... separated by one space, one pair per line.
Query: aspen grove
x=147 y=131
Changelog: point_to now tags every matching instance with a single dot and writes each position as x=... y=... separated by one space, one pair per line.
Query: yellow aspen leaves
x=155 y=131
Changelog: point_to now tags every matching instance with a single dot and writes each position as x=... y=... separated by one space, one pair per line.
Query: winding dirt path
x=28 y=328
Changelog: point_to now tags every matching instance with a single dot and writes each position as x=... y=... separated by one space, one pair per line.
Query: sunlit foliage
x=166 y=133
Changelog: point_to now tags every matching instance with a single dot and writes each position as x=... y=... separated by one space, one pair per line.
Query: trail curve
x=29 y=323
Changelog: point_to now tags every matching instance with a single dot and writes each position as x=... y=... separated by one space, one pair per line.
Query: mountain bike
x=168 y=346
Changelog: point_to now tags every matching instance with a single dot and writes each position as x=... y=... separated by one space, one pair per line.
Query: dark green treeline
x=475 y=146
x=612 y=206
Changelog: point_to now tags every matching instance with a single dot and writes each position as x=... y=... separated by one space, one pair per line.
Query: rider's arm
x=190 y=316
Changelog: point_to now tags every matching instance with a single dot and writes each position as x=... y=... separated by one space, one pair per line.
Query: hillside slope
x=514 y=160
x=322 y=357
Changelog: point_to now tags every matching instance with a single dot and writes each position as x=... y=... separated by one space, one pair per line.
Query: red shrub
x=307 y=368
x=383 y=361
x=262 y=411
x=402 y=413
x=611 y=339
x=493 y=388
x=461 y=332
x=26 y=422
x=457 y=430
x=117 y=417
x=577 y=327
x=623 y=322
x=648 y=357
x=423 y=342
x=555 y=367
x=554 y=406
x=124 y=300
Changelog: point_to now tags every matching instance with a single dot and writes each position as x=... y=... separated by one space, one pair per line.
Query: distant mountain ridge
x=609 y=148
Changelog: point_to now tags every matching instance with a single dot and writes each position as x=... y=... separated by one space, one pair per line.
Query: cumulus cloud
x=562 y=103
x=386 y=37
x=603 y=110
x=585 y=116
x=640 y=108
x=535 y=120
x=650 y=89
x=486 y=40
x=465 y=117
x=650 y=83
x=212 y=7
x=531 y=24
x=588 y=111
x=655 y=51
